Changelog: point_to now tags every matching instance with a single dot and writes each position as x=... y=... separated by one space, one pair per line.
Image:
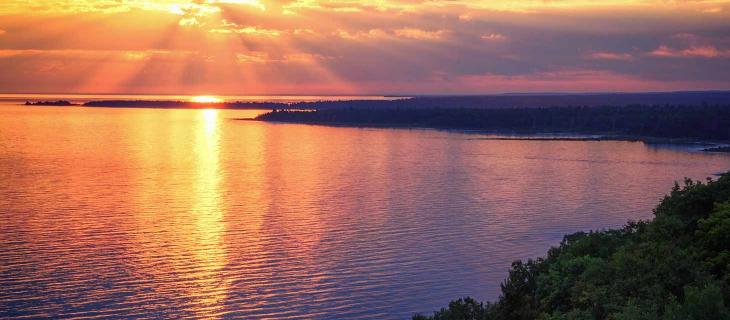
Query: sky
x=246 y=47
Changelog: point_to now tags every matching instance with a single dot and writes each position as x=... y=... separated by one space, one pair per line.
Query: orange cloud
x=361 y=35
x=249 y=30
x=419 y=34
x=105 y=55
x=524 y=6
x=712 y=10
x=252 y=3
x=374 y=46
x=114 y=6
x=253 y=57
x=265 y=58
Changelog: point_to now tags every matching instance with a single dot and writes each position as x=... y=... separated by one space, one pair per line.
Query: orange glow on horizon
x=206 y=99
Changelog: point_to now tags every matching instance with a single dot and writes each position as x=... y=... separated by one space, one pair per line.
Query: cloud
x=493 y=37
x=2 y=32
x=524 y=6
x=419 y=34
x=349 y=6
x=685 y=36
x=610 y=56
x=62 y=6
x=708 y=51
x=376 y=46
x=402 y=33
x=266 y=58
x=712 y=10
x=575 y=80
x=362 y=35
x=249 y=30
x=305 y=58
x=234 y=28
x=105 y=55
x=253 y=57
x=115 y=6
x=252 y=3
x=295 y=7
x=189 y=21
x=466 y=17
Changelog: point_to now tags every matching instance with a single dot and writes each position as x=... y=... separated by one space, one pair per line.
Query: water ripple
x=138 y=213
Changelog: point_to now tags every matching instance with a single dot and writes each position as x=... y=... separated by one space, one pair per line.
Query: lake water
x=187 y=213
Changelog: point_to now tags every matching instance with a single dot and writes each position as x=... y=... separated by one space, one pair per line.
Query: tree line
x=707 y=122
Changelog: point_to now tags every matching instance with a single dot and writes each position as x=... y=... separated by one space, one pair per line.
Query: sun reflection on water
x=207 y=210
x=210 y=122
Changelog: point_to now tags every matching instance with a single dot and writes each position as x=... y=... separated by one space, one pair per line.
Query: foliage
x=676 y=266
x=466 y=309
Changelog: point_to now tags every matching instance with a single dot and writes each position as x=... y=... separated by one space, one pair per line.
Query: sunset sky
x=362 y=47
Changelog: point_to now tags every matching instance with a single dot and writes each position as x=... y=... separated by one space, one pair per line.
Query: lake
x=155 y=213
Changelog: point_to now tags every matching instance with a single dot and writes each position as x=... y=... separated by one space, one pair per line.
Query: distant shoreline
x=654 y=124
x=488 y=101
x=696 y=118
x=703 y=145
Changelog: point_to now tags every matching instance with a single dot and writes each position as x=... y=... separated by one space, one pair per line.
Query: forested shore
x=676 y=266
x=701 y=122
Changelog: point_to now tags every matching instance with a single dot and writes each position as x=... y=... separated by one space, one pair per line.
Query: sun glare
x=206 y=99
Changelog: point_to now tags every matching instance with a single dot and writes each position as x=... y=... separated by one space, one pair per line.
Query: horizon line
x=404 y=95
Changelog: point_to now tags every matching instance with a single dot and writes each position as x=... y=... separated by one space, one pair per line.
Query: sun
x=205 y=99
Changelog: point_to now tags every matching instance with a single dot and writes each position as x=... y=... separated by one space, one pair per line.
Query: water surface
x=186 y=213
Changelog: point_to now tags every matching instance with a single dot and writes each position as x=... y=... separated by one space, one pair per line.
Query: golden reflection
x=184 y=243
x=208 y=213
x=210 y=121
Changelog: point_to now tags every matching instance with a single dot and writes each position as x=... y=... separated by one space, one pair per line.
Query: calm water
x=185 y=213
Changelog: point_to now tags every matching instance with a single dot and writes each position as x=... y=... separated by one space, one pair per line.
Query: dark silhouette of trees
x=165 y=104
x=706 y=122
x=466 y=309
x=62 y=103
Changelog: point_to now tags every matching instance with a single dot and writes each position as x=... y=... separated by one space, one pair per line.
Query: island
x=676 y=266
x=177 y=104
x=62 y=103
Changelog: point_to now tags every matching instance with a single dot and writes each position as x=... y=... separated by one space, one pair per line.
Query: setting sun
x=205 y=99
